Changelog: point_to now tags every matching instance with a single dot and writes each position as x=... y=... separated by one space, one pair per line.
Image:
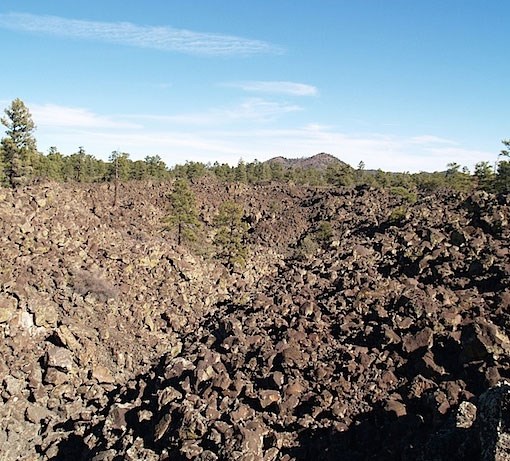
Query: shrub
x=398 y=216
x=406 y=194
x=86 y=283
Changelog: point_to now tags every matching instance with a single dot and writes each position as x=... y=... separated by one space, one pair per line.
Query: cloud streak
x=213 y=136
x=53 y=115
x=276 y=87
x=252 y=109
x=162 y=38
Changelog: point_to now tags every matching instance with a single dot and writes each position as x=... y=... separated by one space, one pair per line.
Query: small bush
x=324 y=232
x=398 y=216
x=407 y=195
x=86 y=283
x=306 y=248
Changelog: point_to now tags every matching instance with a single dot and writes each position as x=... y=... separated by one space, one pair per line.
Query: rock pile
x=385 y=340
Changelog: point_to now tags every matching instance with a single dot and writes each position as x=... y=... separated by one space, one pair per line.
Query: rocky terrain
x=386 y=337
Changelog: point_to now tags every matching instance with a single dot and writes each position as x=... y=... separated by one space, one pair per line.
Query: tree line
x=21 y=164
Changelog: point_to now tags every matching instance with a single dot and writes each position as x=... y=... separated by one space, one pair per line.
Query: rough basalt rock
x=380 y=343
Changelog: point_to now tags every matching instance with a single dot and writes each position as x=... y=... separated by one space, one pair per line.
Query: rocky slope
x=378 y=342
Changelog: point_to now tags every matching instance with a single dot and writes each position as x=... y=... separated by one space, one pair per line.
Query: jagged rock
x=8 y=306
x=364 y=347
x=60 y=358
x=268 y=397
x=396 y=406
x=102 y=374
x=493 y=422
x=483 y=338
x=422 y=339
x=37 y=413
x=465 y=415
x=45 y=314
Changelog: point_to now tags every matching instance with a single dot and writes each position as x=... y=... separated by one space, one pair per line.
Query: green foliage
x=502 y=183
x=155 y=167
x=429 y=182
x=222 y=171
x=183 y=212
x=241 y=173
x=505 y=152
x=340 y=176
x=324 y=233
x=382 y=178
x=231 y=235
x=456 y=178
x=322 y=236
x=52 y=166
x=120 y=166
x=398 y=216
x=502 y=180
x=20 y=163
x=306 y=248
x=484 y=175
x=190 y=170
x=19 y=146
x=407 y=195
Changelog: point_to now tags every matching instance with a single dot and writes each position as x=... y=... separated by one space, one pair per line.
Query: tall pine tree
x=183 y=212
x=232 y=234
x=19 y=145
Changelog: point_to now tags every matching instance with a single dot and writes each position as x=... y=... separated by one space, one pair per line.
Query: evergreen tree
x=506 y=152
x=156 y=168
x=484 y=175
x=231 y=235
x=139 y=170
x=19 y=145
x=502 y=183
x=55 y=164
x=339 y=175
x=456 y=178
x=120 y=170
x=241 y=174
x=120 y=166
x=183 y=212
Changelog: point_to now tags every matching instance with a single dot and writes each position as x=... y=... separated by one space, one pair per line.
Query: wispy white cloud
x=275 y=87
x=261 y=110
x=52 y=115
x=430 y=139
x=252 y=109
x=156 y=37
x=177 y=138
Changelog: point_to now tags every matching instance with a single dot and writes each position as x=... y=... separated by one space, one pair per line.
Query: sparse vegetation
x=324 y=233
x=398 y=216
x=306 y=247
x=18 y=146
x=408 y=195
x=231 y=235
x=20 y=163
x=183 y=214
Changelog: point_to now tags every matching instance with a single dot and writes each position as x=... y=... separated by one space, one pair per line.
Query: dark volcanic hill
x=363 y=327
x=319 y=162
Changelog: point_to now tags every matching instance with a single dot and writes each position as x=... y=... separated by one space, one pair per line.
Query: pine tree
x=155 y=167
x=19 y=145
x=183 y=212
x=241 y=174
x=231 y=235
x=484 y=175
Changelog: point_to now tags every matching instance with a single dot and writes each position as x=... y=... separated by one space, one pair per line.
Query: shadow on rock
x=381 y=435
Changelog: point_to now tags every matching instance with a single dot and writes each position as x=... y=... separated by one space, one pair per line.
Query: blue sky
x=403 y=85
